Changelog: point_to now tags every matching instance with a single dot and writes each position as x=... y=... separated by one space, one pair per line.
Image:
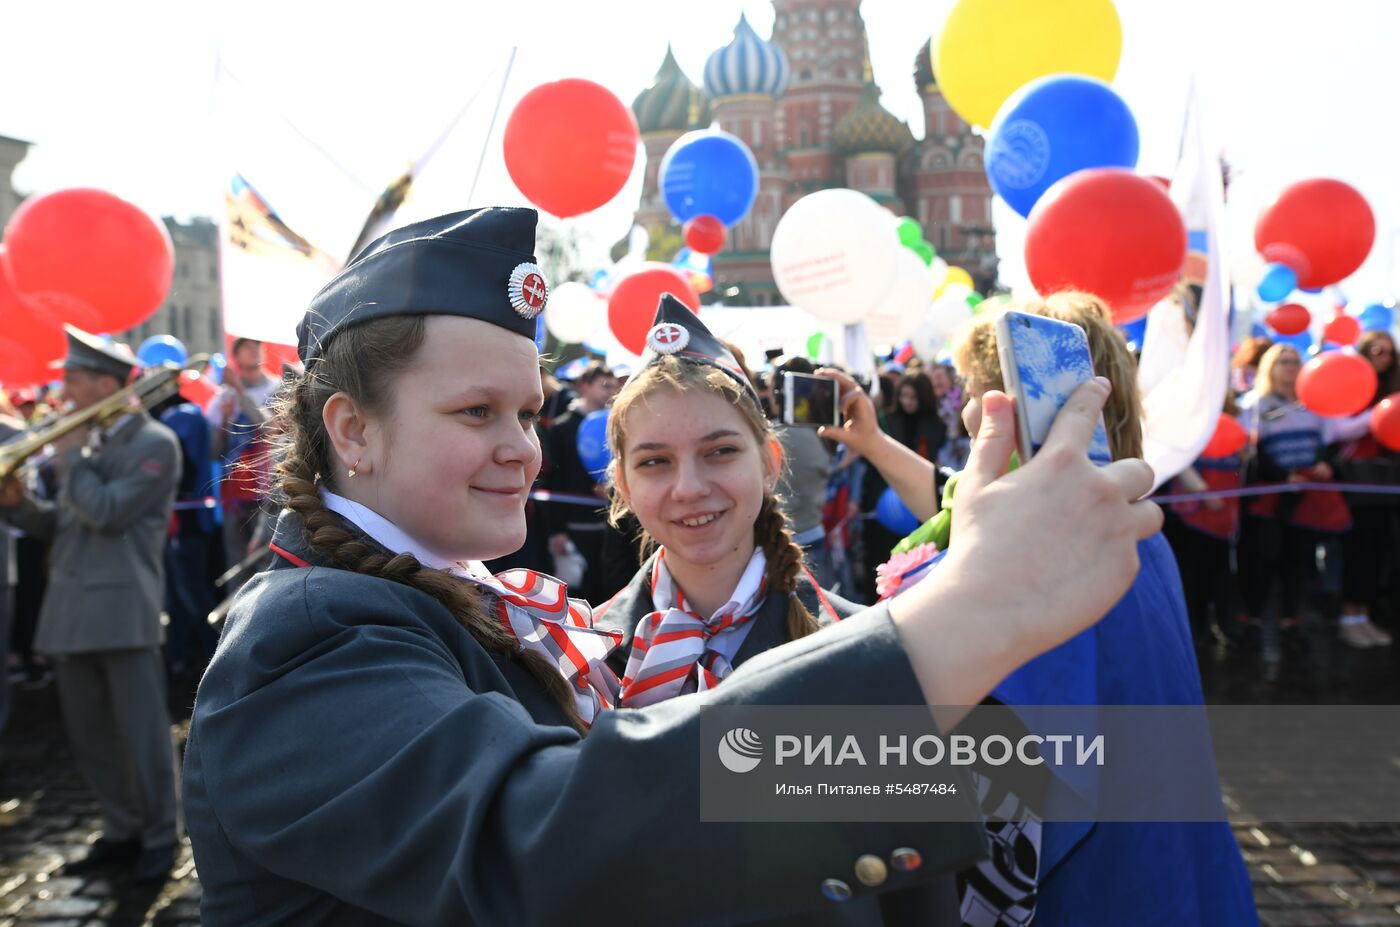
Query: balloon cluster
x=82 y=257
x=1063 y=145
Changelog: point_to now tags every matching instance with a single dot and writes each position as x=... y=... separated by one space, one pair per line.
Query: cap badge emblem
x=527 y=290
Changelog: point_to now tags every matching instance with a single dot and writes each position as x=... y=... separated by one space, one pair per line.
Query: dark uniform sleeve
x=37 y=518
x=368 y=768
x=111 y=503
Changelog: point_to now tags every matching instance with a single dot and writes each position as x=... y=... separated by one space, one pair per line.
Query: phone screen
x=809 y=400
x=1043 y=361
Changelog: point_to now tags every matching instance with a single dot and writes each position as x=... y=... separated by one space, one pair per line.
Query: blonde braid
x=784 y=564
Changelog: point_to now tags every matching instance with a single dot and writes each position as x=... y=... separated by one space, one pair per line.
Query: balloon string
x=510 y=62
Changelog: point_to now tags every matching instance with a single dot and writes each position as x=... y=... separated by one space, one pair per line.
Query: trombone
x=153 y=387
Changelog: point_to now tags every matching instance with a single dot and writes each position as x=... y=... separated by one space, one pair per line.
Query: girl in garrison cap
x=696 y=461
x=389 y=735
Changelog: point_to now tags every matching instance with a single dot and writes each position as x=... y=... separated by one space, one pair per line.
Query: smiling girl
x=697 y=462
x=390 y=735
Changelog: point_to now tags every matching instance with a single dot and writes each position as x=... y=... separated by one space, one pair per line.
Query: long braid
x=784 y=564
x=305 y=464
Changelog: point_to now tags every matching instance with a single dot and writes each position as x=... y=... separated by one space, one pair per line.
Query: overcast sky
x=124 y=95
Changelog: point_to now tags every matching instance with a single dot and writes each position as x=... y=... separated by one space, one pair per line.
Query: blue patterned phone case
x=1043 y=361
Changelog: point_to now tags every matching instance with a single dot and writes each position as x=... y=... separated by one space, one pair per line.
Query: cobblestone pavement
x=1304 y=875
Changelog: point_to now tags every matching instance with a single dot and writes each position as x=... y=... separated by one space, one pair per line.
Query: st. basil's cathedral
x=806 y=104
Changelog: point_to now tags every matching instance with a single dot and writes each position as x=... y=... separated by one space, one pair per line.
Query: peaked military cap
x=88 y=352
x=479 y=264
x=678 y=332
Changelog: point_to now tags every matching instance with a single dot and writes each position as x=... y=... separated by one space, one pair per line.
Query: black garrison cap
x=678 y=332
x=479 y=264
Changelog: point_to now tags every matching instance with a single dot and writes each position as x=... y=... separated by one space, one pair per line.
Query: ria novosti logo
x=740 y=750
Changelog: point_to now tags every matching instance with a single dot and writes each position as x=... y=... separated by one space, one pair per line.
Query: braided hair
x=770 y=529
x=361 y=362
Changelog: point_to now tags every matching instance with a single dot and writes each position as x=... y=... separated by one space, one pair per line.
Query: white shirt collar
x=394 y=538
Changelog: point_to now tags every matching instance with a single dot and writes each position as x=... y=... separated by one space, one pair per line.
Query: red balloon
x=276 y=355
x=1110 y=232
x=28 y=345
x=1161 y=181
x=1385 y=421
x=1322 y=228
x=197 y=388
x=89 y=258
x=704 y=234
x=632 y=305
x=1342 y=329
x=570 y=146
x=1337 y=383
x=1290 y=319
x=1229 y=438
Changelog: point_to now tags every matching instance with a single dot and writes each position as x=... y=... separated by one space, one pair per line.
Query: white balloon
x=939 y=325
x=835 y=255
x=905 y=306
x=574 y=312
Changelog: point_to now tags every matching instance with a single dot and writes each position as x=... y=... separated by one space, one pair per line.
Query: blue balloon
x=1135 y=332
x=1301 y=342
x=709 y=173
x=592 y=443
x=1257 y=330
x=1052 y=127
x=891 y=512
x=215 y=373
x=1278 y=281
x=540 y=332
x=1377 y=317
x=162 y=349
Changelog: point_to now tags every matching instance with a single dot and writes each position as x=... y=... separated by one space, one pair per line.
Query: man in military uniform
x=100 y=623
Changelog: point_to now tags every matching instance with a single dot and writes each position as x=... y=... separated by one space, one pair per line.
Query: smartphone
x=810 y=400
x=1043 y=361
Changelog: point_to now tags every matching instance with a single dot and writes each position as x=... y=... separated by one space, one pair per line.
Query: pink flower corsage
x=903 y=570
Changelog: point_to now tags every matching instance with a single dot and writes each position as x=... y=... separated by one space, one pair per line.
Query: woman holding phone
x=1087 y=874
x=389 y=735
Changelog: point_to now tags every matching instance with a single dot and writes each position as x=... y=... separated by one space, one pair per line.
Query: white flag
x=1183 y=377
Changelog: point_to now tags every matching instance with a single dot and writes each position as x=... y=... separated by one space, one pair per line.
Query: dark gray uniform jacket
x=356 y=758
x=109 y=527
x=931 y=902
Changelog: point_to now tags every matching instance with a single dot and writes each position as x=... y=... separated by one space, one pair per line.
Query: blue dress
x=1117 y=874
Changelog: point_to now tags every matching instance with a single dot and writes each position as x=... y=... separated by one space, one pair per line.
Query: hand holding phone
x=809 y=400
x=1043 y=361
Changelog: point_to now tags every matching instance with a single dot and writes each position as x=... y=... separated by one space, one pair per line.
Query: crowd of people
x=400 y=508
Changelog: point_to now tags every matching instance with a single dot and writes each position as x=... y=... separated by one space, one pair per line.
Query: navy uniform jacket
x=356 y=758
x=931 y=903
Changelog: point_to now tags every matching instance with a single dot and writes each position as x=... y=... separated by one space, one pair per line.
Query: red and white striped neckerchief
x=533 y=607
x=675 y=651
x=536 y=610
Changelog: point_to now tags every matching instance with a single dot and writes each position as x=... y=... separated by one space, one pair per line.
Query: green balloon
x=974 y=300
x=814 y=346
x=910 y=234
x=924 y=250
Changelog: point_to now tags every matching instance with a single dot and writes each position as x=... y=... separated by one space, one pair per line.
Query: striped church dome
x=747 y=65
x=871 y=127
x=672 y=103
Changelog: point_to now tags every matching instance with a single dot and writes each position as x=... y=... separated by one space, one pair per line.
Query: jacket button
x=871 y=870
x=836 y=890
x=906 y=859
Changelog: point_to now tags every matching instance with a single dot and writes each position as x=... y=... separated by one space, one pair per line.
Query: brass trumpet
x=154 y=386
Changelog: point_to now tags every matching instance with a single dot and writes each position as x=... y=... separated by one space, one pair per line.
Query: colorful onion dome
x=672 y=103
x=871 y=127
x=747 y=65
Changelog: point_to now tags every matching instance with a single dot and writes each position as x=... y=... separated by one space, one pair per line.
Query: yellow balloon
x=956 y=275
x=989 y=49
